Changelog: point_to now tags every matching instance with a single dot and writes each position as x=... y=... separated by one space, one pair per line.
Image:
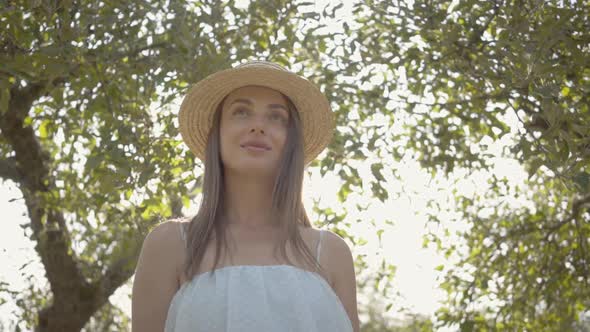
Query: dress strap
x=319 y=245
x=182 y=232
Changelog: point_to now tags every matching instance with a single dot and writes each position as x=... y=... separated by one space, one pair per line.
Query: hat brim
x=199 y=105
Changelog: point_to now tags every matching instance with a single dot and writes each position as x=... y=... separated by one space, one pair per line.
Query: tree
x=468 y=65
x=96 y=165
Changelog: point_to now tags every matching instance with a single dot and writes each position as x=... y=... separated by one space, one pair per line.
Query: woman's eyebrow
x=249 y=102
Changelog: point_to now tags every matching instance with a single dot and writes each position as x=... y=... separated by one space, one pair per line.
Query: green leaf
x=565 y=91
x=376 y=170
x=534 y=166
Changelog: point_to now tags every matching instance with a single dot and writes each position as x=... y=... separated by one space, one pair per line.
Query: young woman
x=249 y=260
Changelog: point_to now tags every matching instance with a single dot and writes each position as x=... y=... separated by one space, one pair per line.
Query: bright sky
x=416 y=277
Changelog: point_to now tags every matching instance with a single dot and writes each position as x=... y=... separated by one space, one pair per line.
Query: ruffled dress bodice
x=248 y=298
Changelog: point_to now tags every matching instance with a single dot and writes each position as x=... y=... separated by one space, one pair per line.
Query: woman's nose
x=257 y=128
x=258 y=124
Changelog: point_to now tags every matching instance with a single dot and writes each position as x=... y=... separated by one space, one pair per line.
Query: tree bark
x=74 y=299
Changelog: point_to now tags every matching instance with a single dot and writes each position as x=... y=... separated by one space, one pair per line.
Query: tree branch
x=47 y=222
x=119 y=271
x=552 y=227
x=8 y=170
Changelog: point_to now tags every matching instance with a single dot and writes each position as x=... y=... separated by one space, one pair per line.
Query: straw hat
x=199 y=105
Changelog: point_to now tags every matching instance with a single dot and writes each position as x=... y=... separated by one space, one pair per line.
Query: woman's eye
x=277 y=117
x=240 y=111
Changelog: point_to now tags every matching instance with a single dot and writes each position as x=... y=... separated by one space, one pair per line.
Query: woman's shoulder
x=337 y=259
x=167 y=232
x=334 y=240
x=328 y=237
x=335 y=253
x=156 y=275
x=166 y=239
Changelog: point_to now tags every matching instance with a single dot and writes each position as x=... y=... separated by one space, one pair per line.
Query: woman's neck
x=248 y=201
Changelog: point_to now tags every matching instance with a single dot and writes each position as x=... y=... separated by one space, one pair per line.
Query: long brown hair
x=287 y=206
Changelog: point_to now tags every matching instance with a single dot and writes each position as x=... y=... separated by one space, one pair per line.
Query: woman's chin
x=255 y=167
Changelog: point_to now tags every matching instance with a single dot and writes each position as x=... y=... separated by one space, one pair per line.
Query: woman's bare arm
x=339 y=262
x=156 y=278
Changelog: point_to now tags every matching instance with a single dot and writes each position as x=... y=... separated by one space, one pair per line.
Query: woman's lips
x=254 y=148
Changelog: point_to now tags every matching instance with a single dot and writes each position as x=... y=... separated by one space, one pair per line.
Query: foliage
x=416 y=323
x=109 y=318
x=89 y=134
x=469 y=65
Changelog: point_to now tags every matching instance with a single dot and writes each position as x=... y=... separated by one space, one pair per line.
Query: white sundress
x=248 y=298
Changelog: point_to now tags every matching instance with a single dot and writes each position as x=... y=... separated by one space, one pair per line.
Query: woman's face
x=253 y=130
